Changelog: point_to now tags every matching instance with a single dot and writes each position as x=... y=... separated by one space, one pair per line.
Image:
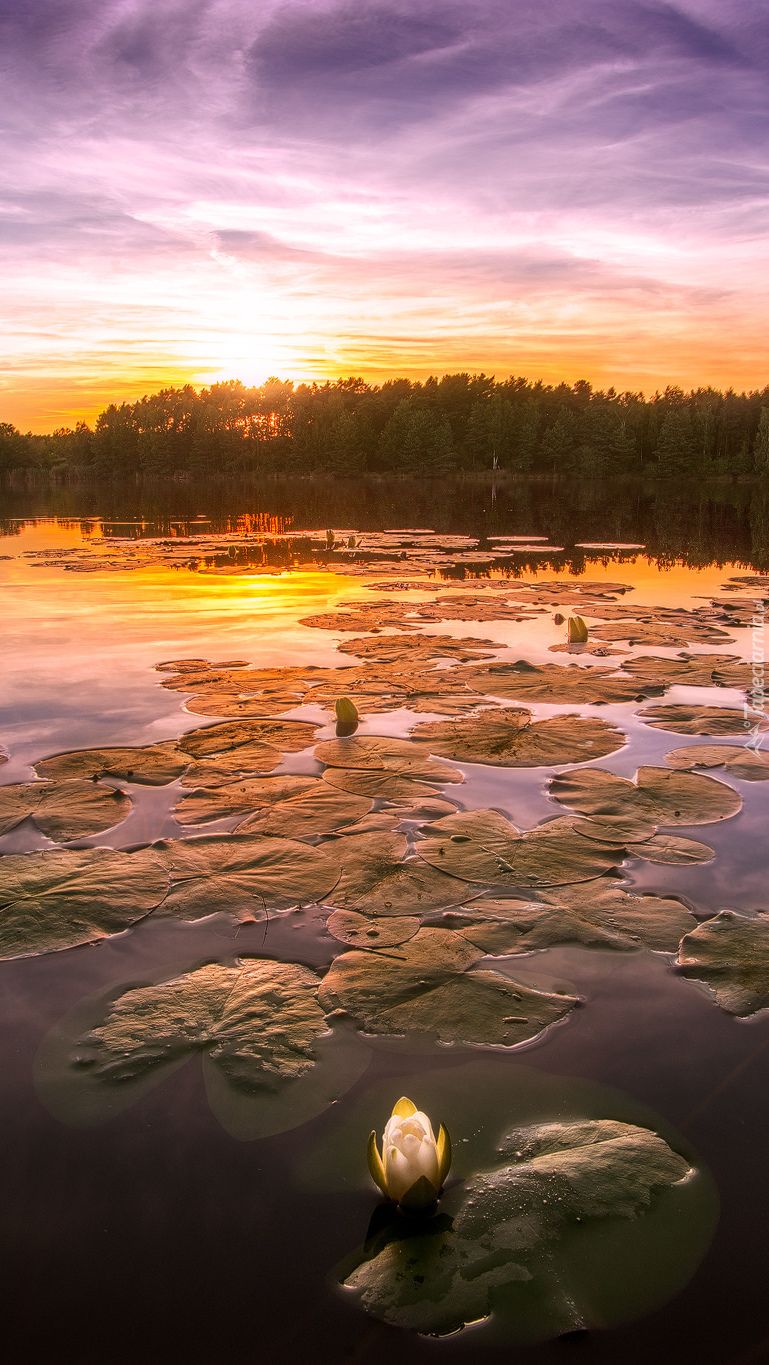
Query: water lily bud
x=413 y=1164
x=346 y=710
x=578 y=633
x=329 y=539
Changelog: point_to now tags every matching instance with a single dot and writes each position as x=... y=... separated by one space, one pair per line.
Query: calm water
x=157 y=1235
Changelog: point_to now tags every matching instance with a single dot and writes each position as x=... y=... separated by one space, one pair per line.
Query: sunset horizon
x=317 y=190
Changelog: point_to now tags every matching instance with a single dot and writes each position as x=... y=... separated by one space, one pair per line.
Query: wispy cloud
x=210 y=187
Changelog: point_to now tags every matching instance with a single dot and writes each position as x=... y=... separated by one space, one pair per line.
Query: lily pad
x=318 y=810
x=386 y=754
x=382 y=782
x=483 y=846
x=63 y=810
x=667 y=848
x=750 y=765
x=731 y=954
x=601 y=913
x=232 y=704
x=289 y=736
x=360 y=931
x=509 y=738
x=244 y=876
x=498 y=1235
x=658 y=795
x=661 y=632
x=417 y=648
x=234 y=798
x=270 y=1062
x=377 y=881
x=64 y=897
x=703 y=720
x=692 y=670
x=256 y=1019
x=522 y=681
x=246 y=760
x=426 y=985
x=153 y=765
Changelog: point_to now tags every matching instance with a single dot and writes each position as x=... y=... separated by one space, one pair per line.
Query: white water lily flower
x=413 y=1164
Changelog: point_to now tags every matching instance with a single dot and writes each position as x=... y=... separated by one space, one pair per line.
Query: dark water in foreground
x=156 y=1235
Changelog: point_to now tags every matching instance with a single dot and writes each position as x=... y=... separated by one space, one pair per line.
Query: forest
x=459 y=423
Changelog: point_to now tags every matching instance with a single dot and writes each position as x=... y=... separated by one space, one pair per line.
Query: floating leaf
x=522 y=681
x=362 y=932
x=661 y=632
x=703 y=720
x=63 y=810
x=500 y=1231
x=244 y=761
x=657 y=795
x=482 y=846
x=376 y=783
x=509 y=738
x=234 y=798
x=377 y=881
x=666 y=848
x=751 y=765
x=287 y=735
x=731 y=953
x=425 y=985
x=691 y=670
x=232 y=704
x=61 y=898
x=601 y=913
x=269 y=1061
x=385 y=754
x=257 y=1019
x=153 y=765
x=402 y=648
x=240 y=875
x=318 y=810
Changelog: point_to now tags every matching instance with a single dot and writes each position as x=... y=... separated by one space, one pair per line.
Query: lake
x=230 y=948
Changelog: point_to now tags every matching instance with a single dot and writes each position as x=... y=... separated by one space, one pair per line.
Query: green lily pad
x=426 y=985
x=242 y=875
x=601 y=913
x=256 y=1019
x=751 y=765
x=62 y=810
x=483 y=846
x=376 y=880
x=658 y=795
x=65 y=897
x=270 y=1062
x=153 y=765
x=522 y=681
x=509 y=738
x=234 y=798
x=499 y=1237
x=731 y=954
x=703 y=720
x=360 y=931
x=288 y=736
x=317 y=810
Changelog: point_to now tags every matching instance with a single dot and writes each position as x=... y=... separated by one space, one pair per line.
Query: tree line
x=458 y=423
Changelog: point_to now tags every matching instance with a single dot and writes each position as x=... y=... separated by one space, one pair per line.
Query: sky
x=193 y=190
